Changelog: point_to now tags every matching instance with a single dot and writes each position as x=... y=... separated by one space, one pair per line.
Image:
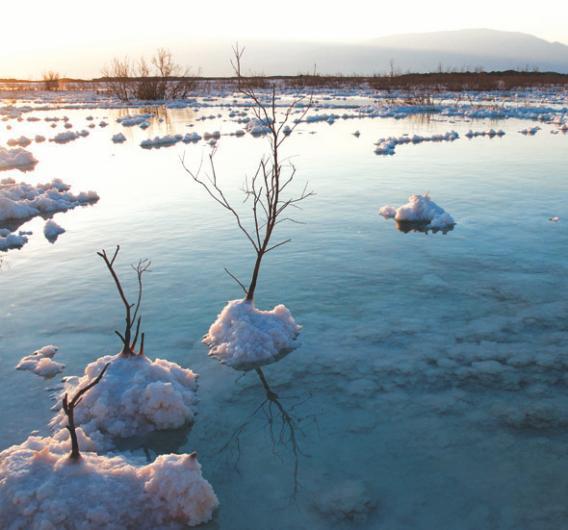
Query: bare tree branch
x=131 y=318
x=236 y=279
x=69 y=409
x=265 y=188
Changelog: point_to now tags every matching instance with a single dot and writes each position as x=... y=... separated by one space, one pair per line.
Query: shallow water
x=430 y=387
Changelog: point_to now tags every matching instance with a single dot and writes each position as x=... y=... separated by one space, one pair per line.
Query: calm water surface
x=429 y=391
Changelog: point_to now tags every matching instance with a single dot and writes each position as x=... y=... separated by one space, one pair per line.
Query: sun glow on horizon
x=78 y=42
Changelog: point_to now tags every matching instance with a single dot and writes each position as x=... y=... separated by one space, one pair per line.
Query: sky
x=77 y=38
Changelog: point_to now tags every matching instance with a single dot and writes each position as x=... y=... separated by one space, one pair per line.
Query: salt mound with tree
x=42 y=488
x=422 y=210
x=243 y=336
x=138 y=395
x=45 y=486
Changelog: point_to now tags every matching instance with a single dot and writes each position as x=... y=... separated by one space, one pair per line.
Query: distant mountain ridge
x=417 y=52
x=515 y=46
x=467 y=49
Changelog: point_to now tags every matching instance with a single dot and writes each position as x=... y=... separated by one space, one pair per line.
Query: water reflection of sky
x=393 y=323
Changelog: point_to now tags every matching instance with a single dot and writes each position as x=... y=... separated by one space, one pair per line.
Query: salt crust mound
x=52 y=230
x=387 y=146
x=136 y=396
x=131 y=121
x=118 y=138
x=17 y=158
x=42 y=489
x=22 y=141
x=244 y=337
x=41 y=362
x=68 y=136
x=257 y=127
x=169 y=140
x=419 y=209
x=19 y=200
x=10 y=240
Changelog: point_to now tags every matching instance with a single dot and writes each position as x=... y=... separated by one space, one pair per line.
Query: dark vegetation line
x=436 y=81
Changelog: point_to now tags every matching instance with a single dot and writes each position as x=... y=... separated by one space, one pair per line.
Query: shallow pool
x=429 y=391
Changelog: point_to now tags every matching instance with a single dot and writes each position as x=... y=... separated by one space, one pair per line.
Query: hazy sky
x=78 y=37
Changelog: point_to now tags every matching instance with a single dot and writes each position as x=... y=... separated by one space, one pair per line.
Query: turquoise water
x=430 y=387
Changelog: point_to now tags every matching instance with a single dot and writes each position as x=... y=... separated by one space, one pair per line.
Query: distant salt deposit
x=17 y=158
x=52 y=230
x=215 y=135
x=131 y=121
x=491 y=133
x=22 y=201
x=22 y=141
x=161 y=141
x=387 y=146
x=10 y=240
x=119 y=138
x=69 y=136
x=531 y=131
x=257 y=127
x=191 y=138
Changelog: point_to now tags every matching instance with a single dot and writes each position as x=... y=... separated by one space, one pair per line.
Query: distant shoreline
x=448 y=81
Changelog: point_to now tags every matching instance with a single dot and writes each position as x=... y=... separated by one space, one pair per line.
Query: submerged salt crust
x=42 y=489
x=136 y=396
x=445 y=359
x=244 y=337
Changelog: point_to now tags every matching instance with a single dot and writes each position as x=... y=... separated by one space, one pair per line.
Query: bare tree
x=266 y=190
x=51 y=80
x=69 y=409
x=238 y=53
x=132 y=317
x=117 y=78
x=391 y=68
x=148 y=86
x=157 y=79
x=164 y=63
x=176 y=82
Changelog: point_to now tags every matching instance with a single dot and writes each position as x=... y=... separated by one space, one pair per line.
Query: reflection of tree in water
x=421 y=119
x=283 y=427
x=163 y=116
